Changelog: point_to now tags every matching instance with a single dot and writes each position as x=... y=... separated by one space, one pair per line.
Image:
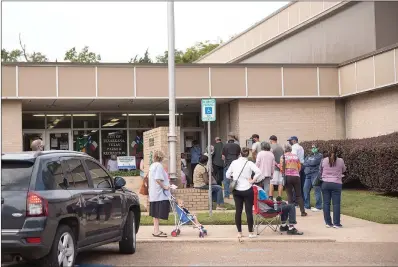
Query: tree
x=191 y=54
x=144 y=59
x=84 y=56
x=17 y=55
x=10 y=56
x=178 y=55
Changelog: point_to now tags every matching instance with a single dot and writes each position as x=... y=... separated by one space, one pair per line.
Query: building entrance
x=60 y=139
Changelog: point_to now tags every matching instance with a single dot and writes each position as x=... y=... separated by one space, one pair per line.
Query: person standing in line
x=277 y=178
x=290 y=166
x=196 y=152
x=332 y=177
x=37 y=145
x=159 y=192
x=241 y=171
x=230 y=152
x=265 y=162
x=112 y=164
x=256 y=147
x=218 y=163
x=299 y=151
x=233 y=137
x=312 y=166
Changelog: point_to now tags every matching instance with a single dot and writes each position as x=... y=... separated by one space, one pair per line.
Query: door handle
x=2 y=201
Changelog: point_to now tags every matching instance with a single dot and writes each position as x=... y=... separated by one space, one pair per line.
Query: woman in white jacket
x=241 y=171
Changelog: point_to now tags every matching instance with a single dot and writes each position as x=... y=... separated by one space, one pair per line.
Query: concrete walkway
x=355 y=230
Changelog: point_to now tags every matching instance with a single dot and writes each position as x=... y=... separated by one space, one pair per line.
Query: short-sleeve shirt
x=278 y=152
x=257 y=146
x=156 y=192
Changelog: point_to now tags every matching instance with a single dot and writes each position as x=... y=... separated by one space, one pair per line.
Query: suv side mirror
x=119 y=182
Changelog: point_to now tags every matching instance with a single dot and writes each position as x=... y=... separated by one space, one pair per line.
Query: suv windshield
x=15 y=175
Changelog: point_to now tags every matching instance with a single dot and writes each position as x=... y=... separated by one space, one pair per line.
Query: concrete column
x=11 y=125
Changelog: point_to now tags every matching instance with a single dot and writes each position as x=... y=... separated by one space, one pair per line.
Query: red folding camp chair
x=264 y=214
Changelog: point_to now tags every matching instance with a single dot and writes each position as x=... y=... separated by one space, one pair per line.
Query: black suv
x=55 y=204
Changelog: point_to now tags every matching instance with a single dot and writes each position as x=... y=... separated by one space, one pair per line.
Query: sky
x=120 y=30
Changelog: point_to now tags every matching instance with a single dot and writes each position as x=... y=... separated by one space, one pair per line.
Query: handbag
x=284 y=182
x=233 y=183
x=144 y=186
x=318 y=179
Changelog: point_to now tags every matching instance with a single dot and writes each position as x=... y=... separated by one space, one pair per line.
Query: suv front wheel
x=129 y=241
x=63 y=250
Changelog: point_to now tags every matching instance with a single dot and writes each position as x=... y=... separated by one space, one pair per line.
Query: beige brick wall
x=11 y=125
x=234 y=119
x=308 y=119
x=160 y=142
x=372 y=114
x=340 y=119
x=194 y=199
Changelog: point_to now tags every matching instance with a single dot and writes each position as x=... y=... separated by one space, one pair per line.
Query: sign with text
x=126 y=163
x=208 y=109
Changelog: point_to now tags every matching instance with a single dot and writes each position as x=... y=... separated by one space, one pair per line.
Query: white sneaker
x=329 y=226
x=337 y=226
x=252 y=236
x=315 y=209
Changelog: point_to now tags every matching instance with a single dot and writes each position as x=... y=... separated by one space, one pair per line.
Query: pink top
x=292 y=164
x=333 y=174
x=265 y=161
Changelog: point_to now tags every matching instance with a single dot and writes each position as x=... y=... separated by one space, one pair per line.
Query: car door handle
x=2 y=201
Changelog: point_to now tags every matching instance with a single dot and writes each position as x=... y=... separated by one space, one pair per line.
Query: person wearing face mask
x=312 y=164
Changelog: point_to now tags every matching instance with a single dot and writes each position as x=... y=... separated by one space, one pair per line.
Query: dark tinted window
x=52 y=177
x=75 y=172
x=98 y=175
x=15 y=175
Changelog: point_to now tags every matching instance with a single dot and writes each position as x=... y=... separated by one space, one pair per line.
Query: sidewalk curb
x=228 y=239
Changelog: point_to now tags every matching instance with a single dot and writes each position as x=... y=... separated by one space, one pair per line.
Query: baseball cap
x=293 y=138
x=273 y=138
x=255 y=136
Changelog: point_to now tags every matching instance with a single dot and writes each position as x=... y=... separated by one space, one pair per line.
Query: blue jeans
x=216 y=193
x=288 y=212
x=331 y=193
x=226 y=183
x=307 y=190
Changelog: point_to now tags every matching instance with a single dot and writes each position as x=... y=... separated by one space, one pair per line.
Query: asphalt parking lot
x=247 y=254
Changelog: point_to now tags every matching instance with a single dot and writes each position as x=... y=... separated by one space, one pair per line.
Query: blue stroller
x=181 y=218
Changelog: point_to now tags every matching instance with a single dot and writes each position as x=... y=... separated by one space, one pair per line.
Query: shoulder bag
x=233 y=183
x=318 y=179
x=284 y=183
x=144 y=186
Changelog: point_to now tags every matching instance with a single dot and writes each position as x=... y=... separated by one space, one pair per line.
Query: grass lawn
x=362 y=204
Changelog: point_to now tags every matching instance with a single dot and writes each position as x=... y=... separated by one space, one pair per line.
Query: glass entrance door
x=58 y=140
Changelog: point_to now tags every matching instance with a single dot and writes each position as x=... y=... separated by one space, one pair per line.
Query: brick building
x=317 y=70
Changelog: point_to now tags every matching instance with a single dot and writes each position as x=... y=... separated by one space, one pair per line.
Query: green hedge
x=126 y=173
x=372 y=161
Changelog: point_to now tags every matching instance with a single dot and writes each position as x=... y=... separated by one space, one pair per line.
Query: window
x=15 y=175
x=52 y=177
x=33 y=121
x=87 y=141
x=114 y=142
x=58 y=121
x=75 y=171
x=98 y=175
x=85 y=120
x=109 y=120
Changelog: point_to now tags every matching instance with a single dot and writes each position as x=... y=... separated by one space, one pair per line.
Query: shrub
x=126 y=173
x=372 y=161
